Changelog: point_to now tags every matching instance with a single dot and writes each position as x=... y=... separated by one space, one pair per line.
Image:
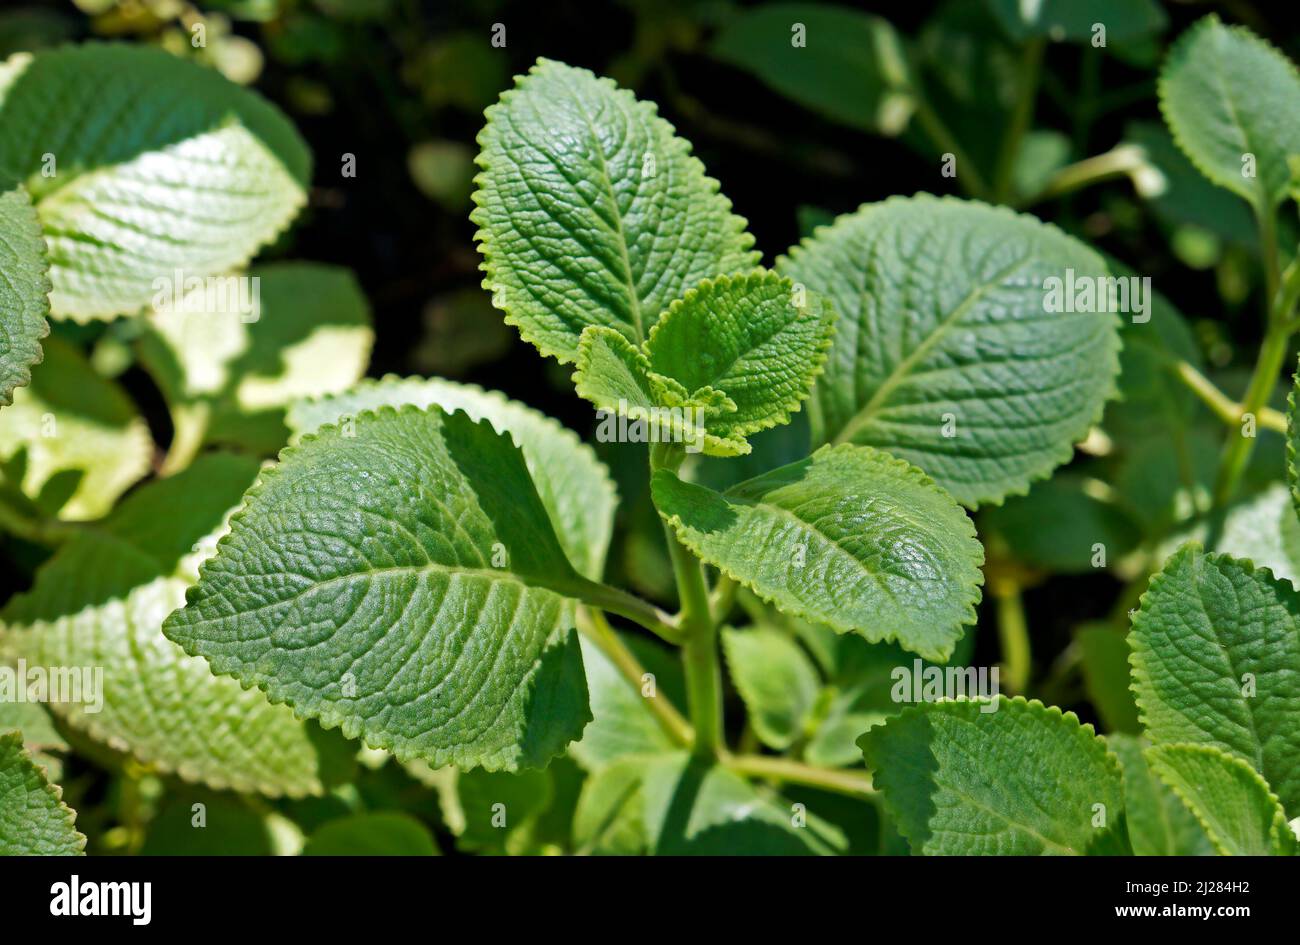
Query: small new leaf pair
x=733 y=357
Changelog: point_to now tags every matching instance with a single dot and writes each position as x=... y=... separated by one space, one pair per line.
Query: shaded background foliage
x=401 y=85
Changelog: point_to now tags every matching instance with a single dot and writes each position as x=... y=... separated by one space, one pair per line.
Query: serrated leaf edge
x=917 y=475
x=1055 y=458
x=54 y=790
x=327 y=716
x=1035 y=706
x=738 y=224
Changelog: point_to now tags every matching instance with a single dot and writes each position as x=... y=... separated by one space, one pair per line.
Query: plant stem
x=723 y=599
x=700 y=633
x=618 y=601
x=852 y=783
x=1013 y=633
x=1030 y=67
x=968 y=175
x=1223 y=406
x=1122 y=161
x=596 y=628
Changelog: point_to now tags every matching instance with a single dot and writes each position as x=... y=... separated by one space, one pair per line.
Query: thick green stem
x=700 y=633
x=1279 y=300
x=852 y=783
x=1223 y=406
x=618 y=601
x=1013 y=633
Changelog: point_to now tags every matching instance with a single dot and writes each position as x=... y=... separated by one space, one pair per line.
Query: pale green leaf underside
x=1228 y=797
x=591 y=211
x=306 y=332
x=158 y=164
x=100 y=602
x=1159 y=824
x=574 y=485
x=1226 y=94
x=73 y=440
x=1022 y=780
x=405 y=583
x=24 y=288
x=850 y=537
x=34 y=821
x=775 y=678
x=1216 y=661
x=941 y=316
x=751 y=338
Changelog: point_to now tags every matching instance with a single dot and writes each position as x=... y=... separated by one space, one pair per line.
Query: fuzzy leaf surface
x=1234 y=805
x=25 y=289
x=1021 y=780
x=405 y=583
x=34 y=821
x=1216 y=661
x=1227 y=96
x=591 y=211
x=942 y=321
x=850 y=537
x=574 y=485
x=100 y=602
x=158 y=165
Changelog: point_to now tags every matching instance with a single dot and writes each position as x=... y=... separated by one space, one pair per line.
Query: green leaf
x=229 y=365
x=1062 y=20
x=943 y=327
x=1058 y=525
x=1293 y=442
x=753 y=338
x=592 y=212
x=1216 y=656
x=491 y=811
x=610 y=819
x=615 y=375
x=850 y=67
x=622 y=723
x=1024 y=779
x=378 y=833
x=1103 y=655
x=1226 y=95
x=850 y=537
x=695 y=809
x=34 y=821
x=1262 y=528
x=73 y=441
x=403 y=582
x=1228 y=797
x=25 y=290
x=150 y=165
x=777 y=681
x=1158 y=822
x=221 y=825
x=574 y=485
x=99 y=604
